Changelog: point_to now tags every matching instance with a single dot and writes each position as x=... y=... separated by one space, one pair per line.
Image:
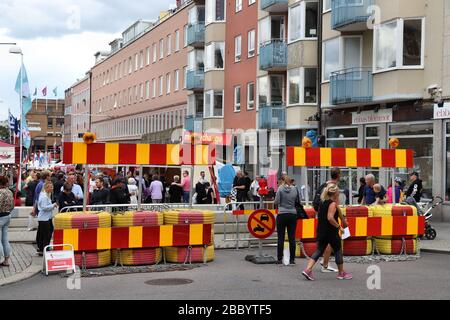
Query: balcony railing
x=195 y=79
x=272 y=117
x=352 y=85
x=350 y=16
x=273 y=56
x=274 y=5
x=196 y=34
x=193 y=123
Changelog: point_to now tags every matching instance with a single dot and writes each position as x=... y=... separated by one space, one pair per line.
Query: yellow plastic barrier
x=180 y=254
x=82 y=220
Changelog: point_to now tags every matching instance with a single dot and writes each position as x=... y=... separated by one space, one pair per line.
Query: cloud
x=29 y=19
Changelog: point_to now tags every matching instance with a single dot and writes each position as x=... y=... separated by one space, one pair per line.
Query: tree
x=4 y=133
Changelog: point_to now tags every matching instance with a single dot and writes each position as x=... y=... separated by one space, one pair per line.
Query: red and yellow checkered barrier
x=138 y=219
x=340 y=157
x=138 y=154
x=181 y=255
x=369 y=227
x=311 y=213
x=82 y=220
x=137 y=257
x=135 y=237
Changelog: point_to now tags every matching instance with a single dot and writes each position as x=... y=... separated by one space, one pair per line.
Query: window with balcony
x=195 y=104
x=271 y=28
x=237 y=99
x=237 y=48
x=195 y=60
x=399 y=45
x=213 y=104
x=250 y=96
x=302 y=87
x=341 y=53
x=215 y=53
x=271 y=90
x=303 y=21
x=251 y=43
x=215 y=10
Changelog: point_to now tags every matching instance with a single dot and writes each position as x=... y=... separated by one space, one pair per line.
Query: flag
x=35 y=92
x=44 y=92
x=13 y=124
x=55 y=91
x=23 y=89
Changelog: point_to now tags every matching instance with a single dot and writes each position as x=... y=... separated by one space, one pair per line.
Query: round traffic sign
x=261 y=224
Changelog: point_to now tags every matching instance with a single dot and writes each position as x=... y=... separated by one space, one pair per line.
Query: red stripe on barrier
x=68 y=152
x=364 y=158
x=127 y=153
x=238 y=212
x=187 y=154
x=181 y=235
x=58 y=238
x=212 y=154
x=96 y=153
x=158 y=154
x=338 y=157
x=299 y=230
x=313 y=157
x=402 y=211
x=87 y=239
x=119 y=238
x=207 y=229
x=388 y=158
x=374 y=226
x=399 y=226
x=410 y=158
x=290 y=156
x=150 y=237
x=421 y=226
x=352 y=226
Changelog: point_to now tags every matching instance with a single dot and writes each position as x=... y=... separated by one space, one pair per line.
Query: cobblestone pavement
x=21 y=259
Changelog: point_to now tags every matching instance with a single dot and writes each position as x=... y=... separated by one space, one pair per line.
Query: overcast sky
x=59 y=39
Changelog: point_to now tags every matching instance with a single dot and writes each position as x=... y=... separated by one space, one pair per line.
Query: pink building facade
x=139 y=88
x=80 y=105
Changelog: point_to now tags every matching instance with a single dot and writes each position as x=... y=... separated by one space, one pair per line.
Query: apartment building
x=138 y=88
x=67 y=132
x=77 y=110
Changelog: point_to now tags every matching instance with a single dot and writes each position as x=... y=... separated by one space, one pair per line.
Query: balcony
x=195 y=79
x=196 y=35
x=193 y=123
x=354 y=85
x=274 y=5
x=273 y=56
x=272 y=117
x=348 y=16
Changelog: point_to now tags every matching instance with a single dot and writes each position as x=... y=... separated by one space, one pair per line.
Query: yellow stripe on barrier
x=165 y=236
x=142 y=153
x=299 y=157
x=376 y=158
x=400 y=158
x=361 y=227
x=351 y=157
x=111 y=153
x=173 y=154
x=71 y=237
x=412 y=225
x=135 y=237
x=308 y=228
x=79 y=153
x=196 y=235
x=103 y=238
x=386 y=226
x=325 y=157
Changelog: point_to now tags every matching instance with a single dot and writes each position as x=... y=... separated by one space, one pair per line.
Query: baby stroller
x=425 y=209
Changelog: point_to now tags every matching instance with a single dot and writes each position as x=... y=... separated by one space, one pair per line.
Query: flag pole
x=19 y=178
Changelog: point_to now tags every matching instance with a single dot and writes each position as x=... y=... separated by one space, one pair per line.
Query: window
x=215 y=56
x=342 y=138
x=161 y=49
x=303 y=21
x=129 y=96
x=124 y=67
x=161 y=84
x=141 y=87
x=399 y=44
x=49 y=123
x=136 y=94
x=185 y=36
x=154 y=88
x=177 y=80
x=237 y=48
x=213 y=104
x=136 y=62
x=237 y=99
x=185 y=77
x=168 y=83
x=250 y=96
x=238 y=5
x=155 y=54
x=326 y=5
x=130 y=65
x=148 y=55
x=169 y=44
x=271 y=90
x=251 y=43
x=341 y=53
x=195 y=60
x=250 y=2
x=302 y=86
x=215 y=10
x=177 y=40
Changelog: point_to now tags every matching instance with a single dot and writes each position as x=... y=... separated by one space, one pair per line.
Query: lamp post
x=17 y=50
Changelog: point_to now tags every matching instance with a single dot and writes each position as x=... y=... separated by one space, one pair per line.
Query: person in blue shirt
x=45 y=176
x=45 y=215
x=369 y=194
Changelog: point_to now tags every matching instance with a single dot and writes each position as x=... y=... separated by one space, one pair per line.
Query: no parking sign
x=261 y=224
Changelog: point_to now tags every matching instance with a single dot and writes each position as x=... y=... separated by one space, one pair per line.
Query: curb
x=34 y=269
x=435 y=251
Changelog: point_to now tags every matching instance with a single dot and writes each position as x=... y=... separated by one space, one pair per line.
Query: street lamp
x=17 y=50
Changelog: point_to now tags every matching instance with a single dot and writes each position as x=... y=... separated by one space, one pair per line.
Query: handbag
x=301 y=213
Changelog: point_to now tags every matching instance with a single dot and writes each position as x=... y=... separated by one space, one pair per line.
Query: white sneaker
x=328 y=269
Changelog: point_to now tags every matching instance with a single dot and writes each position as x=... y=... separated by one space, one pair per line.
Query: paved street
x=230 y=277
x=21 y=259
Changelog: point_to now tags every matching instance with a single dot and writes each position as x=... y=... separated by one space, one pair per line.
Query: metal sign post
x=261 y=224
x=140 y=188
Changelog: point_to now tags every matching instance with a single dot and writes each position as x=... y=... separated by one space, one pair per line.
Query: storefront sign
x=442 y=113
x=7 y=155
x=207 y=138
x=367 y=117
